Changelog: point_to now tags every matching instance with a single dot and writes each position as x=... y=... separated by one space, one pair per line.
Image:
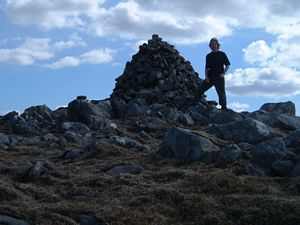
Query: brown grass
x=164 y=193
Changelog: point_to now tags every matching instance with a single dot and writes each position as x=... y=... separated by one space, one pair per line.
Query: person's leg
x=220 y=88
x=204 y=86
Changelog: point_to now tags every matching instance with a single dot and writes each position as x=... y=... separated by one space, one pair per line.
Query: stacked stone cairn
x=157 y=74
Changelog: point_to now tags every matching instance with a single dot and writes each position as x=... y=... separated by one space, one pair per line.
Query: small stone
x=81 y=97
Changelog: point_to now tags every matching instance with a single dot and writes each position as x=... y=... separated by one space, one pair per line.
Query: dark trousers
x=219 y=84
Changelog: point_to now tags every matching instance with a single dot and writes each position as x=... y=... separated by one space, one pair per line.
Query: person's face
x=214 y=45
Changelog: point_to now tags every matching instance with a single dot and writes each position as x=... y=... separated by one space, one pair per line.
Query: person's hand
x=222 y=75
x=207 y=80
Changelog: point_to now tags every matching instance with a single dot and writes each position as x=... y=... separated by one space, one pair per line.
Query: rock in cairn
x=157 y=74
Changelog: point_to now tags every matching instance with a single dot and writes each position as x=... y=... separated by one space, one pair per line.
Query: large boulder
x=269 y=151
x=92 y=113
x=183 y=144
x=280 y=108
x=281 y=121
x=221 y=117
x=4 y=141
x=246 y=130
x=293 y=139
x=228 y=155
x=41 y=113
x=18 y=125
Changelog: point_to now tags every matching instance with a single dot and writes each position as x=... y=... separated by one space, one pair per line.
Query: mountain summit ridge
x=152 y=153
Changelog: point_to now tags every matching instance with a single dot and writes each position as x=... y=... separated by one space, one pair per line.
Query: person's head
x=214 y=44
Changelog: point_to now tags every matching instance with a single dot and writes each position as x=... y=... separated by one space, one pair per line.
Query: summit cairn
x=157 y=74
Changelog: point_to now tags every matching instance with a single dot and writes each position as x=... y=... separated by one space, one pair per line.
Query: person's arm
x=227 y=65
x=226 y=69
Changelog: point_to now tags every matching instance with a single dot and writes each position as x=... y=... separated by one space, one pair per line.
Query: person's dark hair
x=216 y=40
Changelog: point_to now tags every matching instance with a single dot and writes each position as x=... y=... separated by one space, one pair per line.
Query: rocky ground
x=151 y=154
x=101 y=182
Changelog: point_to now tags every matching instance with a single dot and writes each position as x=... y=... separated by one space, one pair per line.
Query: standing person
x=216 y=66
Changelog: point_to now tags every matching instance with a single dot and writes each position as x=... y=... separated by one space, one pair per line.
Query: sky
x=52 y=51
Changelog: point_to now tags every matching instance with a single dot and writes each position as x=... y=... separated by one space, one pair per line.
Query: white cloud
x=187 y=22
x=97 y=56
x=238 y=107
x=51 y=13
x=67 y=61
x=265 y=81
x=74 y=41
x=32 y=50
x=258 y=51
x=287 y=51
x=277 y=72
x=28 y=52
x=132 y=21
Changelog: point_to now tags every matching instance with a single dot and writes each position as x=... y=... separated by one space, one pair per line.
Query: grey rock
x=19 y=125
x=292 y=139
x=186 y=119
x=281 y=121
x=228 y=155
x=244 y=146
x=13 y=139
x=133 y=109
x=8 y=220
x=269 y=151
x=36 y=140
x=49 y=138
x=144 y=135
x=153 y=125
x=280 y=108
x=226 y=116
x=246 y=130
x=247 y=168
x=39 y=168
x=60 y=115
x=109 y=127
x=90 y=113
x=72 y=154
x=8 y=116
x=127 y=169
x=76 y=127
x=85 y=219
x=73 y=137
x=283 y=167
x=184 y=144
x=4 y=139
x=198 y=112
x=41 y=113
x=128 y=142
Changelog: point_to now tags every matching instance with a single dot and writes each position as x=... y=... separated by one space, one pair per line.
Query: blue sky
x=54 y=50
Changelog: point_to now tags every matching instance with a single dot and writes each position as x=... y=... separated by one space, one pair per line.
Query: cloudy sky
x=54 y=50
